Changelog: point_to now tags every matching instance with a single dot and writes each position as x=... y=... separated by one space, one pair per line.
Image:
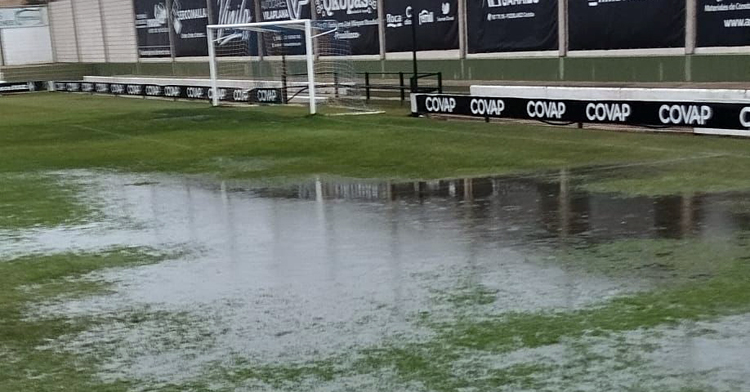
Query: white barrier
x=614 y=93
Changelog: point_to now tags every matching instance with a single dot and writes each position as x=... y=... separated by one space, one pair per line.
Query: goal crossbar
x=299 y=22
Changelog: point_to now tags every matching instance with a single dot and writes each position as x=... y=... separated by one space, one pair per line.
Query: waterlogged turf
x=499 y=283
x=25 y=363
x=152 y=245
x=32 y=199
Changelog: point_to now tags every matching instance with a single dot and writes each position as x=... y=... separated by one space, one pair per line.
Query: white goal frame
x=301 y=24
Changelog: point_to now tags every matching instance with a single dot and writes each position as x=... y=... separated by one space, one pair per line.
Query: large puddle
x=300 y=272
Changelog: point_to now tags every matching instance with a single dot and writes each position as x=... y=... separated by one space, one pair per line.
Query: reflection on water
x=551 y=207
x=321 y=268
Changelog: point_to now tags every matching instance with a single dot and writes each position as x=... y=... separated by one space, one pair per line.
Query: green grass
x=35 y=278
x=715 y=174
x=278 y=144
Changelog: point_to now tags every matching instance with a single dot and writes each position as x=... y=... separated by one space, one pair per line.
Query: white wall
x=63 y=31
x=83 y=37
x=27 y=45
x=89 y=31
x=120 y=30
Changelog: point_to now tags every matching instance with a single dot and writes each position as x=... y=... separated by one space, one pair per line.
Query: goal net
x=295 y=61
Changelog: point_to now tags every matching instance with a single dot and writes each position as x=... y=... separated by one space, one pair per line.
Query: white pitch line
x=124 y=136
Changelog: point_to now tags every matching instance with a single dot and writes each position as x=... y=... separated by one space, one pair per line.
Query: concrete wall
x=621 y=71
x=101 y=33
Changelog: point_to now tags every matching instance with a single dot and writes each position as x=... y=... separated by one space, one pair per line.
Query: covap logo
x=440 y=104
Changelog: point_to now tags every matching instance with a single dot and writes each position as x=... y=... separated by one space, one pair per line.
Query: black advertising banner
x=357 y=22
x=189 y=21
x=21 y=87
x=232 y=42
x=256 y=95
x=511 y=25
x=437 y=25
x=626 y=24
x=636 y=113
x=152 y=28
x=273 y=10
x=723 y=23
x=285 y=41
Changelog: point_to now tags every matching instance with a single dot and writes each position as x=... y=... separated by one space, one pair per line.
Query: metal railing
x=402 y=87
x=370 y=84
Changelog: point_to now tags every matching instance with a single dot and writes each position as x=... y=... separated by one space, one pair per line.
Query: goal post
x=258 y=55
x=310 y=58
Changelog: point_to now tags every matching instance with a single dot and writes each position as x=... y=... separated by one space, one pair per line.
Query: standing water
x=297 y=273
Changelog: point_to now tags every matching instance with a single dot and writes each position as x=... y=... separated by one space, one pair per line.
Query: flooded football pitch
x=319 y=274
